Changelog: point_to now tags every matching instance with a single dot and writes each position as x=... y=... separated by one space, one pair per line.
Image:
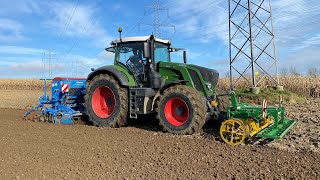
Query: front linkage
x=245 y=121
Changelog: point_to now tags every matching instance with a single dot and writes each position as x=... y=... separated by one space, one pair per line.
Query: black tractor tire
x=223 y=103
x=221 y=109
x=119 y=101
x=185 y=100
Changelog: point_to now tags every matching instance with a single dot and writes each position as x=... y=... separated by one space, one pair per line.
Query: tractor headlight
x=209 y=86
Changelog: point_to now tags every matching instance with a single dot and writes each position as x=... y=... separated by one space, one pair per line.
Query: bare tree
x=294 y=71
x=284 y=72
x=313 y=72
x=227 y=74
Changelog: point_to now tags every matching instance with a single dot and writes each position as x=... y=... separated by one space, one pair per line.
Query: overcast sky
x=77 y=31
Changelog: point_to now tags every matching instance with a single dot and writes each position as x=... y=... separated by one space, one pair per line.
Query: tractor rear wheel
x=106 y=101
x=181 y=110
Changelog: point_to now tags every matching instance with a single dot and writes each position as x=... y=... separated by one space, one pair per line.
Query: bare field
x=22 y=84
x=32 y=150
x=19 y=99
x=305 y=135
x=19 y=93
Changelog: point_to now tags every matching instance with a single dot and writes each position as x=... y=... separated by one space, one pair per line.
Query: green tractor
x=143 y=80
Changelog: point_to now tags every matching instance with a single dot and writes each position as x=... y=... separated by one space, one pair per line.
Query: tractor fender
x=164 y=87
x=111 y=71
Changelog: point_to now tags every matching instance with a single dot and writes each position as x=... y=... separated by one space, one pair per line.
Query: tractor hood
x=208 y=75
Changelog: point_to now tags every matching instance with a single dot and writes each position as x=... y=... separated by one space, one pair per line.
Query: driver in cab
x=136 y=59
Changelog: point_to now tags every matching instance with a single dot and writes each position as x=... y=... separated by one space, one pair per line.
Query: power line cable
x=133 y=26
x=80 y=36
x=275 y=18
x=76 y=42
x=67 y=25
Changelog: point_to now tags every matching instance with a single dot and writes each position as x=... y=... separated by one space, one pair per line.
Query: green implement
x=245 y=121
x=277 y=131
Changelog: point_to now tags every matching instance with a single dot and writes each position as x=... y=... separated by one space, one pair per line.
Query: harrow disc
x=51 y=118
x=36 y=118
x=32 y=115
x=233 y=131
x=43 y=118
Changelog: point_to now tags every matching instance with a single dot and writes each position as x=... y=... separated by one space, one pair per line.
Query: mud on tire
x=181 y=110
x=106 y=102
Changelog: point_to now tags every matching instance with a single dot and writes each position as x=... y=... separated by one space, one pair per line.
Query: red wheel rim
x=103 y=102
x=176 y=111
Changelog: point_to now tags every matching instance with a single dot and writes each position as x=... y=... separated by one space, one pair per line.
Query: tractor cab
x=142 y=56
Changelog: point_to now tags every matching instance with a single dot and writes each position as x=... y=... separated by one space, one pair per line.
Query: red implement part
x=67 y=78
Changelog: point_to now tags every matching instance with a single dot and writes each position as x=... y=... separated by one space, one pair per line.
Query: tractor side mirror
x=146 y=50
x=185 y=57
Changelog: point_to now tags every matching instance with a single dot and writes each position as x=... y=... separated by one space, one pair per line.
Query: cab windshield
x=130 y=52
x=134 y=51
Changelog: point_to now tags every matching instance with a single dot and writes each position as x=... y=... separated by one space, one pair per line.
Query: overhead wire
x=275 y=17
x=82 y=33
x=60 y=39
x=77 y=41
x=133 y=26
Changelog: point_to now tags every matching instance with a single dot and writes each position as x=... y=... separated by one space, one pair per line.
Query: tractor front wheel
x=181 y=110
x=106 y=102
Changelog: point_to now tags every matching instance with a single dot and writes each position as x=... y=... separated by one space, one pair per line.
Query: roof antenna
x=120 y=31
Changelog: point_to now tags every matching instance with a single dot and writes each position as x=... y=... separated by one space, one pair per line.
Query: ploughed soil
x=34 y=150
x=305 y=134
